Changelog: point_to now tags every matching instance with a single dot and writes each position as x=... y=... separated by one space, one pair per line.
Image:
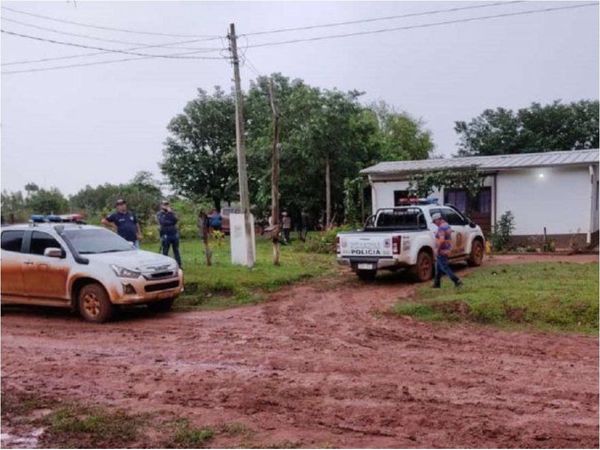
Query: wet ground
x=321 y=364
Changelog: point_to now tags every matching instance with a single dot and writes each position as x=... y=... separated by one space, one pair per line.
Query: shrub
x=324 y=241
x=502 y=232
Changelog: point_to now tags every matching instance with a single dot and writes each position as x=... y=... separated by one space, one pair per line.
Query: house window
x=400 y=195
x=484 y=201
x=458 y=199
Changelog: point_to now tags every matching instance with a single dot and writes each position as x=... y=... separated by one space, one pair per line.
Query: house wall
x=557 y=198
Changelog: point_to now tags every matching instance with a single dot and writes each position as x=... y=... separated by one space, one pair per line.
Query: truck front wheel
x=423 y=270
x=94 y=304
x=476 y=257
x=366 y=275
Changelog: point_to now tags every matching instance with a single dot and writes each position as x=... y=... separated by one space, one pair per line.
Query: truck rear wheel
x=476 y=257
x=94 y=304
x=423 y=270
x=366 y=275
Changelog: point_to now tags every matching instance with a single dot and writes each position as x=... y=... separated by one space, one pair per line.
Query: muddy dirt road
x=321 y=364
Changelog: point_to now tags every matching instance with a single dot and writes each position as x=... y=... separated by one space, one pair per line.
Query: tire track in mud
x=321 y=363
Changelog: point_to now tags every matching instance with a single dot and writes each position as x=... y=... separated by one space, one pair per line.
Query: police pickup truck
x=404 y=238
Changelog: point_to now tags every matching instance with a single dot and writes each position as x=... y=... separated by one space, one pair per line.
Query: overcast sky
x=103 y=123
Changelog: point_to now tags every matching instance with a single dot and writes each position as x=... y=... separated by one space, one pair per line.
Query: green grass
x=225 y=285
x=188 y=436
x=548 y=296
x=73 y=425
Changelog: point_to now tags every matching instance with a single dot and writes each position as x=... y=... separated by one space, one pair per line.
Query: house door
x=479 y=209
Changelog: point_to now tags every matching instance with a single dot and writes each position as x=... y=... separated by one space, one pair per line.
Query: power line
x=100 y=27
x=96 y=38
x=72 y=44
x=426 y=25
x=377 y=19
x=69 y=66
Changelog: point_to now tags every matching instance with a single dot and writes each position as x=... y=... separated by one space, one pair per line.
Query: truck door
x=459 y=227
x=12 y=263
x=44 y=276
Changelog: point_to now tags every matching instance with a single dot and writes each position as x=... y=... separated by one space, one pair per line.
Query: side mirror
x=472 y=224
x=54 y=252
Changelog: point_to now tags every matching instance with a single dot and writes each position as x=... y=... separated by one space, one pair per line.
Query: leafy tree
x=47 y=201
x=538 y=128
x=142 y=193
x=199 y=155
x=403 y=137
x=14 y=207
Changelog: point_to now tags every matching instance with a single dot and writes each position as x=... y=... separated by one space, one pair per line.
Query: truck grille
x=161 y=286
x=159 y=275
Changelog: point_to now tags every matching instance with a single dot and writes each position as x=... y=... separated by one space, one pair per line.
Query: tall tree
x=538 y=128
x=199 y=155
x=403 y=137
x=47 y=201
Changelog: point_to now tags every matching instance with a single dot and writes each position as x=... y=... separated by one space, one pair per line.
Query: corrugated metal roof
x=495 y=162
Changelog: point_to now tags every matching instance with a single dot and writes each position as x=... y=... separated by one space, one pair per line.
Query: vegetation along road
x=331 y=362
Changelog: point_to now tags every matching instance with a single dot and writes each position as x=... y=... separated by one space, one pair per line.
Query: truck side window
x=452 y=217
x=40 y=242
x=12 y=240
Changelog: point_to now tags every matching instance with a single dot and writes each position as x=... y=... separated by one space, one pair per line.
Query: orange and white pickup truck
x=404 y=238
x=85 y=268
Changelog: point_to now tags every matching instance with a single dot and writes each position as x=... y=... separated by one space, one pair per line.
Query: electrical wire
x=377 y=19
x=96 y=38
x=425 y=25
x=94 y=63
x=72 y=44
x=100 y=27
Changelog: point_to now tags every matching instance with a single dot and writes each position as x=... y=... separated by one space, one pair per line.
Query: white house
x=555 y=191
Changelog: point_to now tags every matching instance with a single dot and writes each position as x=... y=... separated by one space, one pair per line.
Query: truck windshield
x=91 y=241
x=398 y=219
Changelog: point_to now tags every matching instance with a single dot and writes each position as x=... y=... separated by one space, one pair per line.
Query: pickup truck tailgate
x=365 y=245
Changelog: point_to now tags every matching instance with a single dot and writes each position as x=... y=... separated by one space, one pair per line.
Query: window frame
x=23 y=238
x=29 y=239
x=445 y=209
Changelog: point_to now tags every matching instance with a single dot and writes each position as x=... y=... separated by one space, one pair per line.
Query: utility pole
x=275 y=176
x=241 y=148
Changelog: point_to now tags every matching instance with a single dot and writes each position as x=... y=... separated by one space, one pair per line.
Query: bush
x=324 y=241
x=502 y=232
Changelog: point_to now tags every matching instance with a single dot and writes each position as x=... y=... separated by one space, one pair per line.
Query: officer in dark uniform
x=125 y=223
x=169 y=236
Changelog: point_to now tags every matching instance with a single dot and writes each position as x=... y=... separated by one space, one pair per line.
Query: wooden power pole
x=241 y=147
x=275 y=176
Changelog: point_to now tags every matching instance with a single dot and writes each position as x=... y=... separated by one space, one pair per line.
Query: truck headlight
x=122 y=272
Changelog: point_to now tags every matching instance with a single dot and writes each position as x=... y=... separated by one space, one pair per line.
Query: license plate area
x=365 y=266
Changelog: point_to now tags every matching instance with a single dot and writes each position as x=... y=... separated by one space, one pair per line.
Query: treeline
x=324 y=134
x=143 y=193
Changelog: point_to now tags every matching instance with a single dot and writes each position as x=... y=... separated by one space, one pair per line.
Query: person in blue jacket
x=169 y=235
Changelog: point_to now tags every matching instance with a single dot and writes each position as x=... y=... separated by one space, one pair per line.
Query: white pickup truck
x=404 y=238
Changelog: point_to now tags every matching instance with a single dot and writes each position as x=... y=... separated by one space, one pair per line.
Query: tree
x=538 y=128
x=403 y=137
x=47 y=201
x=142 y=193
x=199 y=155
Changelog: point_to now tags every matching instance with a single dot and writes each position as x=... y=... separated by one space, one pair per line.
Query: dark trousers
x=171 y=241
x=443 y=267
x=286 y=235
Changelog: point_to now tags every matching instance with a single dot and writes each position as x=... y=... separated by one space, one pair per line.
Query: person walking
x=124 y=222
x=169 y=235
x=286 y=226
x=443 y=239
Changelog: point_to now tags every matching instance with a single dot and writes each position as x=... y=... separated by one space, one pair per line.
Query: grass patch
x=188 y=436
x=224 y=285
x=78 y=426
x=548 y=296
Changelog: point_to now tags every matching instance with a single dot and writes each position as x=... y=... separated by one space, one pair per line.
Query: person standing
x=169 y=235
x=286 y=226
x=443 y=239
x=124 y=222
